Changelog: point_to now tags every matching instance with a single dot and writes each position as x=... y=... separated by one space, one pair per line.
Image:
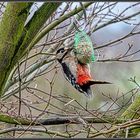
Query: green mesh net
x=83 y=47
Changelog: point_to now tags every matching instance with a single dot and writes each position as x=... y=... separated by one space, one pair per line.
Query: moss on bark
x=11 y=28
x=132 y=112
x=33 y=27
x=14 y=120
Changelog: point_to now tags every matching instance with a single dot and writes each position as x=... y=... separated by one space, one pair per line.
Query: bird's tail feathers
x=94 y=82
x=87 y=90
x=87 y=87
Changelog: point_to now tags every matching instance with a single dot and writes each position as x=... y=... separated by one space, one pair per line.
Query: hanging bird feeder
x=83 y=47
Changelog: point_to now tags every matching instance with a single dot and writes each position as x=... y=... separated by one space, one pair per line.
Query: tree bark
x=11 y=28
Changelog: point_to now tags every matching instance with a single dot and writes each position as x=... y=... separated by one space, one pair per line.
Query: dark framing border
x=67 y=1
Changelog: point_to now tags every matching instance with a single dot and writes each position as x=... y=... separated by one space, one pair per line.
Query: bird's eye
x=61 y=50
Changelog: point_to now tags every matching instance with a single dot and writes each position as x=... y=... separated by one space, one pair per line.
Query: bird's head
x=61 y=53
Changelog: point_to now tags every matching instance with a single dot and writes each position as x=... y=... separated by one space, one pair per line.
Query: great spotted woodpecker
x=76 y=73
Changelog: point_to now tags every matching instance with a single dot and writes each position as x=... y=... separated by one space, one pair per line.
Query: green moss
x=34 y=25
x=14 y=120
x=30 y=30
x=11 y=28
x=132 y=111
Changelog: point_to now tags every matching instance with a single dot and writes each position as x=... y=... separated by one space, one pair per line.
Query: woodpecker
x=76 y=73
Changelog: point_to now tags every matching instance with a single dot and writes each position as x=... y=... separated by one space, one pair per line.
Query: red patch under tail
x=83 y=74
